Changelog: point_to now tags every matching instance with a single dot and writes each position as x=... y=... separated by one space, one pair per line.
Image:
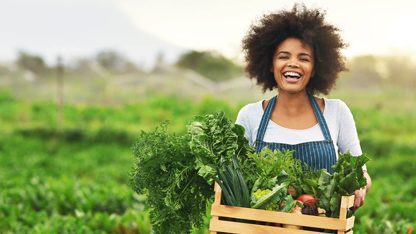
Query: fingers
x=359 y=199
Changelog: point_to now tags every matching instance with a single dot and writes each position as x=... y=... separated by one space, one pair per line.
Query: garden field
x=74 y=178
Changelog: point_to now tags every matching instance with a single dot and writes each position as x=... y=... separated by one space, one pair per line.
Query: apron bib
x=317 y=154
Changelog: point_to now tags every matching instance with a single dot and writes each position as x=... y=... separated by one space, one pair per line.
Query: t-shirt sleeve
x=243 y=120
x=348 y=137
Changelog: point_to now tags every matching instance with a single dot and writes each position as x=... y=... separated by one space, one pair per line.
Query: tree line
x=365 y=71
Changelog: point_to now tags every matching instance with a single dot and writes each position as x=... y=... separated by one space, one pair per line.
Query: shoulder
x=249 y=112
x=336 y=105
x=251 y=108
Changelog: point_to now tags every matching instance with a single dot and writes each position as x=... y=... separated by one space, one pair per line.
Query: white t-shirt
x=338 y=118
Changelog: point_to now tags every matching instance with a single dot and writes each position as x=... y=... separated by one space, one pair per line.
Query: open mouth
x=292 y=76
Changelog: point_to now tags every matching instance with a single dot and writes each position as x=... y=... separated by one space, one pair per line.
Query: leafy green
x=348 y=176
x=267 y=169
x=214 y=139
x=165 y=171
x=274 y=167
x=289 y=204
x=261 y=193
x=274 y=196
x=177 y=172
x=304 y=179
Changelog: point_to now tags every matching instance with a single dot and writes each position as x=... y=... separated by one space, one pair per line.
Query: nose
x=293 y=63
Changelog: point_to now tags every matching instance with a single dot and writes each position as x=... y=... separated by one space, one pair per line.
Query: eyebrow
x=285 y=52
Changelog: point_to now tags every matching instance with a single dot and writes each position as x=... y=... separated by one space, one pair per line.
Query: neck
x=293 y=103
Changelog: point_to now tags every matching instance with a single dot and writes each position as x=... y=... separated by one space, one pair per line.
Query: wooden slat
x=217 y=201
x=351 y=200
x=245 y=228
x=218 y=193
x=346 y=202
x=216 y=225
x=279 y=217
x=350 y=222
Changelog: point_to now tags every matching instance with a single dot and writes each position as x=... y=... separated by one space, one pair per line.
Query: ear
x=313 y=73
x=271 y=69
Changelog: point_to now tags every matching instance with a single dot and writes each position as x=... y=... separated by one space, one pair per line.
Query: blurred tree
x=3 y=70
x=369 y=71
x=32 y=63
x=160 y=63
x=210 y=64
x=363 y=69
x=401 y=71
x=115 y=62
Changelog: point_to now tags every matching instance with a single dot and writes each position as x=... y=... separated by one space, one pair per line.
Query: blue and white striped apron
x=317 y=154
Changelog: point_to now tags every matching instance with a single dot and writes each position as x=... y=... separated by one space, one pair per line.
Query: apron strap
x=320 y=117
x=265 y=119
x=316 y=109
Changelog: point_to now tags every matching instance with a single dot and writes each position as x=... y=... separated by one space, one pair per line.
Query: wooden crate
x=222 y=215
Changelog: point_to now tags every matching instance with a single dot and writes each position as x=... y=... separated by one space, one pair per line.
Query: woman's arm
x=361 y=193
x=348 y=140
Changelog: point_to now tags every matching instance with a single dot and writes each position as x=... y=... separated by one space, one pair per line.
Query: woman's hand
x=360 y=193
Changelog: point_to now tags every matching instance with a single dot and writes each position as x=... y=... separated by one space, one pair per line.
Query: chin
x=291 y=91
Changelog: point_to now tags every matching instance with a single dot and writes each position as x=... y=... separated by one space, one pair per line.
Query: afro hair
x=307 y=25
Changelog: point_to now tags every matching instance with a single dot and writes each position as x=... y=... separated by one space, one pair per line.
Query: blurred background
x=80 y=79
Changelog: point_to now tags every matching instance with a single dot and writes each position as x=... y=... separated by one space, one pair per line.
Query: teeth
x=292 y=74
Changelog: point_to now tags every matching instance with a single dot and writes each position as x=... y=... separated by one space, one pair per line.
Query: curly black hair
x=307 y=25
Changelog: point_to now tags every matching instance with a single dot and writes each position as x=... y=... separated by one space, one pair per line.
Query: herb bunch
x=165 y=171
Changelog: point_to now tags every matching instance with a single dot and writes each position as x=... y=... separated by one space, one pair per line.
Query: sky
x=369 y=26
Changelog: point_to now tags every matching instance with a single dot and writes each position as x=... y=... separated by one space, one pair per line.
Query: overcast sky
x=369 y=26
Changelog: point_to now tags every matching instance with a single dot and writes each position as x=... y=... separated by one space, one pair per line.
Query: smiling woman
x=308 y=26
x=293 y=65
x=298 y=54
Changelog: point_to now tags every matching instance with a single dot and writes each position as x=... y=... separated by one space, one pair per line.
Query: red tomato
x=297 y=207
x=306 y=198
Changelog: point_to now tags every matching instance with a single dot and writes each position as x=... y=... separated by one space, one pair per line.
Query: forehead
x=294 y=45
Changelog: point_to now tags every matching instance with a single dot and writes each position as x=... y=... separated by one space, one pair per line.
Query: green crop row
x=74 y=178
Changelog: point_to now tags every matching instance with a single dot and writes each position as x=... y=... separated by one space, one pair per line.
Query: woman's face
x=293 y=65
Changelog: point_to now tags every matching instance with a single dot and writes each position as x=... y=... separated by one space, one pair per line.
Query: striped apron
x=316 y=154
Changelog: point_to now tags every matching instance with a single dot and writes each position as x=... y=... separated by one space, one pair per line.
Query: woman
x=298 y=53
